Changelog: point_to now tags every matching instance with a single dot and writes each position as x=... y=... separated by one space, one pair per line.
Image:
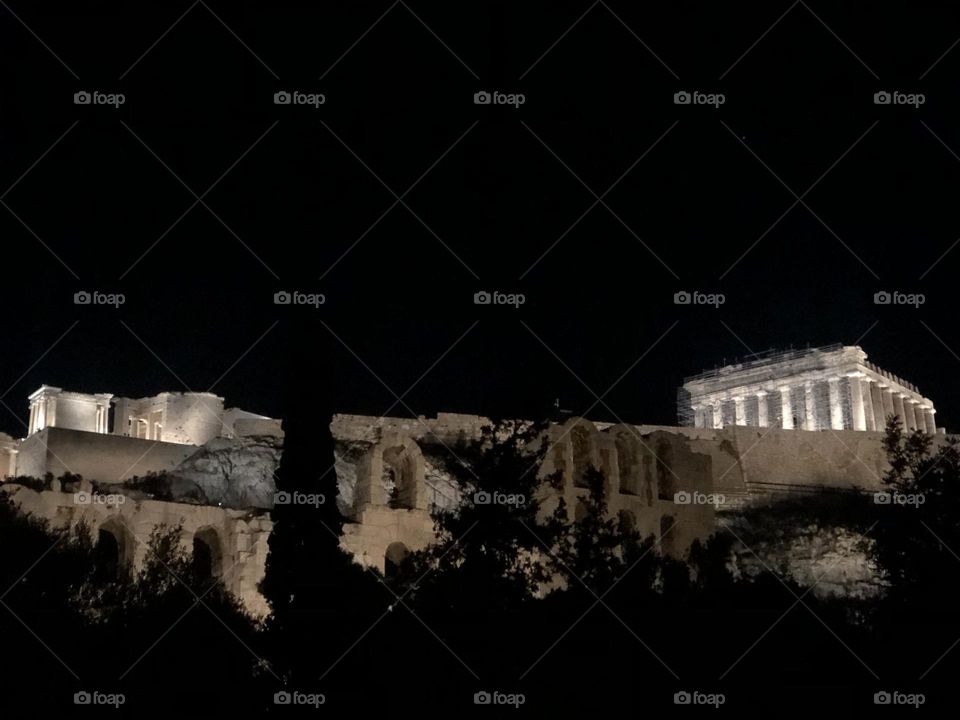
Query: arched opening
x=580 y=442
x=106 y=556
x=399 y=477
x=628 y=463
x=112 y=553
x=666 y=485
x=394 y=560
x=207 y=554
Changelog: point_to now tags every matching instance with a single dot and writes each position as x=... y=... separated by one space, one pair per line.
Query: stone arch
x=114 y=549
x=629 y=459
x=394 y=475
x=394 y=558
x=208 y=553
x=666 y=479
x=582 y=437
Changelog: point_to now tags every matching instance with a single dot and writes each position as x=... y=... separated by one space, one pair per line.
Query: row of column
x=870 y=402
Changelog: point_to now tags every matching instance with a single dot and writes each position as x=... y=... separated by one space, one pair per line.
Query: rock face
x=835 y=562
x=233 y=473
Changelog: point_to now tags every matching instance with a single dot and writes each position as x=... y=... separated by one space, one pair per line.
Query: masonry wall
x=241 y=536
x=96 y=456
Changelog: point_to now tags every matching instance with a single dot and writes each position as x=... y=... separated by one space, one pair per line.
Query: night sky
x=491 y=198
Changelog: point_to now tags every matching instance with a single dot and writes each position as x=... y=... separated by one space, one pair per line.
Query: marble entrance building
x=833 y=387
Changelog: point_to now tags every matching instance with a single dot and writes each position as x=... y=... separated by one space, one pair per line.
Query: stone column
x=887 y=402
x=898 y=408
x=929 y=421
x=870 y=419
x=740 y=411
x=33 y=419
x=857 y=411
x=810 y=407
x=715 y=414
x=910 y=410
x=762 y=419
x=786 y=409
x=836 y=409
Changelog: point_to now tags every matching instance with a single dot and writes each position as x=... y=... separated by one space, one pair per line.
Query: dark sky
x=497 y=194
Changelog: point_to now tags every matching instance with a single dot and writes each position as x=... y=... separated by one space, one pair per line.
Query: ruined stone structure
x=749 y=433
x=390 y=476
x=833 y=387
x=175 y=459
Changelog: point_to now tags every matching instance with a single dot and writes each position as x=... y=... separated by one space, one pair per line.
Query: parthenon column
x=786 y=409
x=33 y=419
x=740 y=411
x=889 y=408
x=836 y=409
x=898 y=407
x=866 y=387
x=910 y=410
x=715 y=414
x=809 y=407
x=929 y=421
x=762 y=419
x=857 y=412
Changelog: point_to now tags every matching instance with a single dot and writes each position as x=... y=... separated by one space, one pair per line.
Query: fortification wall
x=96 y=456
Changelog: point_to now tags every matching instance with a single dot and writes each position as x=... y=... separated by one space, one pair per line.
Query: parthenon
x=833 y=387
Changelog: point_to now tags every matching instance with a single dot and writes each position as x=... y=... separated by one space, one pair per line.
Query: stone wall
x=240 y=536
x=96 y=456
